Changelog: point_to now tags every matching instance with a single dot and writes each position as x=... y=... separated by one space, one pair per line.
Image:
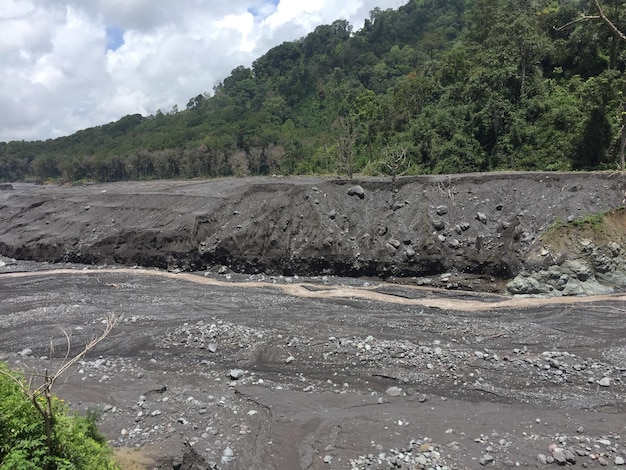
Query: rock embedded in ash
x=26 y=352
x=212 y=347
x=442 y=210
x=604 y=382
x=481 y=217
x=356 y=190
x=619 y=460
x=486 y=459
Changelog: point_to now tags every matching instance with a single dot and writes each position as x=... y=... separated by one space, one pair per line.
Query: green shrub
x=72 y=442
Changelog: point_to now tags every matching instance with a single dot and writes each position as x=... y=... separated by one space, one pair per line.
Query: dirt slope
x=477 y=228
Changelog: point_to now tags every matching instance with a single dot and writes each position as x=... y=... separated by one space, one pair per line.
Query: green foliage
x=465 y=86
x=75 y=441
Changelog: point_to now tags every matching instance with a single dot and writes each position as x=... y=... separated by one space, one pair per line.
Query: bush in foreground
x=29 y=440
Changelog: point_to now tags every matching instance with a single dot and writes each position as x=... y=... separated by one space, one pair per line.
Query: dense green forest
x=436 y=86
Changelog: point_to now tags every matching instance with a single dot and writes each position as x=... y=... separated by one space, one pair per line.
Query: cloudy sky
x=70 y=64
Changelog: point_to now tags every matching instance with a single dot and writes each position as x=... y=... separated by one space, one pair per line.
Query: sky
x=66 y=65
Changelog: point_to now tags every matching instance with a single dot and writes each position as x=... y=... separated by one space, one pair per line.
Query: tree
x=395 y=161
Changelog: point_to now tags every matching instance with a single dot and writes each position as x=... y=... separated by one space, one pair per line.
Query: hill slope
x=432 y=87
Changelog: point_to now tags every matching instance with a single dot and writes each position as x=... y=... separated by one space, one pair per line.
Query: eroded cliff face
x=454 y=231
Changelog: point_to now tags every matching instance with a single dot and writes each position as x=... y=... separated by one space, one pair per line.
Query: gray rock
x=481 y=217
x=236 y=374
x=570 y=457
x=390 y=249
x=559 y=456
x=356 y=191
x=395 y=243
x=227 y=455
x=439 y=224
x=442 y=210
x=486 y=459
x=542 y=459
x=26 y=352
x=604 y=382
x=619 y=461
x=212 y=347
x=394 y=391
x=579 y=268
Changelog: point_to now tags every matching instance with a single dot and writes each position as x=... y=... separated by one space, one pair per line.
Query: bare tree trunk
x=622 y=147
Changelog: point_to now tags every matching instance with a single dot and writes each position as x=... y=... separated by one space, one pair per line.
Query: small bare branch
x=582 y=17
x=111 y=321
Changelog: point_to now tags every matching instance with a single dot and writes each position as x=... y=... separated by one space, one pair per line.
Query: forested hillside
x=437 y=86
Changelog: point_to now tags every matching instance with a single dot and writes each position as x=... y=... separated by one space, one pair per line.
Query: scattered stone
x=619 y=461
x=328 y=459
x=604 y=382
x=442 y=210
x=212 y=347
x=289 y=359
x=486 y=459
x=481 y=217
x=27 y=352
x=542 y=459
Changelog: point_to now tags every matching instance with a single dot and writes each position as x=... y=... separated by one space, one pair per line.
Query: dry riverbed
x=230 y=371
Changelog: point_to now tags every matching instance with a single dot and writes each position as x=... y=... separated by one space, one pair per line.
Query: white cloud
x=58 y=73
